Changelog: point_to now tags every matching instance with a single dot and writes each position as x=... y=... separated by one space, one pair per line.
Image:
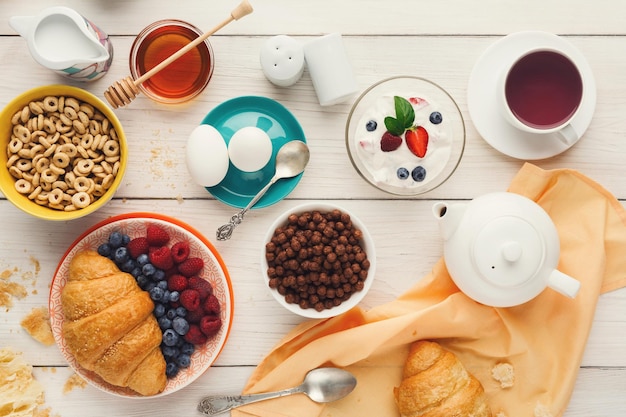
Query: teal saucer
x=238 y=187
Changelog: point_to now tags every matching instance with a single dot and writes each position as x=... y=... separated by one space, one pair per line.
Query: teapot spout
x=449 y=217
x=563 y=283
x=22 y=25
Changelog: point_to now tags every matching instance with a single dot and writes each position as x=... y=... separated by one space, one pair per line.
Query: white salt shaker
x=282 y=60
x=330 y=69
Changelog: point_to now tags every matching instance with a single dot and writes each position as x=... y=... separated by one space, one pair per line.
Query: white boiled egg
x=250 y=149
x=207 y=156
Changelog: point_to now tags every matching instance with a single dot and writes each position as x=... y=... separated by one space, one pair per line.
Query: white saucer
x=482 y=102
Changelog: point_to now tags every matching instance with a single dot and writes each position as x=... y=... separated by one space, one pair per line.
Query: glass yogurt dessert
x=405 y=141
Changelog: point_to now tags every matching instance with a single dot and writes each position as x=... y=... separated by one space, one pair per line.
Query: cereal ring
x=35 y=108
x=16 y=117
x=61 y=159
x=28 y=176
x=108 y=181
x=111 y=148
x=86 y=141
x=82 y=184
x=69 y=149
x=107 y=167
x=46 y=186
x=35 y=193
x=41 y=162
x=43 y=195
x=47 y=175
x=116 y=167
x=24 y=165
x=72 y=102
x=87 y=109
x=12 y=159
x=81 y=200
x=94 y=127
x=70 y=178
x=70 y=113
x=58 y=171
x=25 y=115
x=83 y=167
x=36 y=180
x=50 y=127
x=97 y=169
x=105 y=126
x=22 y=133
x=55 y=197
x=15 y=172
x=61 y=185
x=25 y=153
x=69 y=207
x=51 y=104
x=98 y=190
x=23 y=187
x=59 y=126
x=51 y=150
x=15 y=145
x=61 y=104
x=84 y=119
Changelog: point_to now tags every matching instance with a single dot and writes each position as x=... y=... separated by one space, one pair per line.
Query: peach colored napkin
x=543 y=339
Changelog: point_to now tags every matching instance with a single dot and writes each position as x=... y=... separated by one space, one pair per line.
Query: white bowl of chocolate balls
x=318 y=261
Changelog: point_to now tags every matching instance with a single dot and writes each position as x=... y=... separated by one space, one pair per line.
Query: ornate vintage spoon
x=291 y=159
x=322 y=385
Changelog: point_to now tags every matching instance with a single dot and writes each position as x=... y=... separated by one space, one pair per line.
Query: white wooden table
x=438 y=40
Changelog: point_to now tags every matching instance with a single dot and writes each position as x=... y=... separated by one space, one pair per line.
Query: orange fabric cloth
x=543 y=339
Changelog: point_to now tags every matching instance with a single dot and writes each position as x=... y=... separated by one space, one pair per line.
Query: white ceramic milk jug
x=502 y=249
x=61 y=39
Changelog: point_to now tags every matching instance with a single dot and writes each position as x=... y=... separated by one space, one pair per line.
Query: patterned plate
x=215 y=272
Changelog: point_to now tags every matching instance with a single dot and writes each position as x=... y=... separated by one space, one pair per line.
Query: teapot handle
x=563 y=283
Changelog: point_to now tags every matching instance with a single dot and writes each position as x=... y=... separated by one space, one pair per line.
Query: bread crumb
x=37 y=324
x=504 y=374
x=74 y=381
x=20 y=393
x=541 y=411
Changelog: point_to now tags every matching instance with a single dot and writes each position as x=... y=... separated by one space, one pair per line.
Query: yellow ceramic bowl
x=9 y=146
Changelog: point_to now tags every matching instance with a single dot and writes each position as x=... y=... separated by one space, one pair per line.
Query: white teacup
x=541 y=92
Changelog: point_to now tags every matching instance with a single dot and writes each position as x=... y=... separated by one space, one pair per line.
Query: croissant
x=109 y=327
x=436 y=384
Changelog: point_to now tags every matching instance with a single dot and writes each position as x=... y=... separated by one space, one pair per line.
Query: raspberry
x=190 y=299
x=191 y=266
x=157 y=236
x=209 y=325
x=161 y=258
x=194 y=335
x=195 y=316
x=137 y=246
x=203 y=287
x=180 y=251
x=177 y=282
x=211 y=305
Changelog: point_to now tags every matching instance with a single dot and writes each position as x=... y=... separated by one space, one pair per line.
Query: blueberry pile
x=169 y=314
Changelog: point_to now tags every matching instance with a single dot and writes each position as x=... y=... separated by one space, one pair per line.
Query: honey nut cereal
x=63 y=153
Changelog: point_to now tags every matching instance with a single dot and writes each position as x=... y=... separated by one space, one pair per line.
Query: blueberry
x=171 y=369
x=371 y=125
x=164 y=323
x=125 y=240
x=156 y=294
x=418 y=173
x=187 y=348
x=159 y=275
x=116 y=240
x=180 y=325
x=142 y=259
x=174 y=297
x=143 y=282
x=136 y=272
x=128 y=266
x=181 y=311
x=435 y=118
x=159 y=310
x=148 y=270
x=171 y=313
x=104 y=250
x=121 y=255
x=169 y=352
x=162 y=285
x=183 y=360
x=403 y=173
x=170 y=337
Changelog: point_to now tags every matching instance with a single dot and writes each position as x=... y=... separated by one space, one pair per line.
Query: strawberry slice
x=390 y=142
x=417 y=141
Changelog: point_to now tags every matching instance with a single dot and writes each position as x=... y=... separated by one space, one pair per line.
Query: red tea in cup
x=543 y=89
x=184 y=78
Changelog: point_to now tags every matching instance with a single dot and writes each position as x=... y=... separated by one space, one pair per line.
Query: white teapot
x=501 y=249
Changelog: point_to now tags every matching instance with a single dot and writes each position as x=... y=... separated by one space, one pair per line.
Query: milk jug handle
x=563 y=283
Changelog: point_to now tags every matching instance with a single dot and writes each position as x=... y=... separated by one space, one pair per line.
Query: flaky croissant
x=109 y=327
x=436 y=384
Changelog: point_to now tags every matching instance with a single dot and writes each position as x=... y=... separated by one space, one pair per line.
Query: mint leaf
x=404 y=112
x=394 y=126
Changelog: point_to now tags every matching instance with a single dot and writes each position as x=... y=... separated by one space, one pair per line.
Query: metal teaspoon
x=291 y=160
x=322 y=385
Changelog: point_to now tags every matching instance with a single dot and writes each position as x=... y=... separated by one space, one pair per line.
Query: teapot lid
x=508 y=251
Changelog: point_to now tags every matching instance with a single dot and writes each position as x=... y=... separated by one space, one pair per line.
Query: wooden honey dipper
x=124 y=91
